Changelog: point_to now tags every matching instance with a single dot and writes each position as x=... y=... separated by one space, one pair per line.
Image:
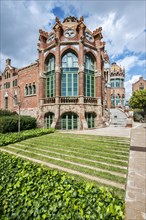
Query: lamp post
x=18 y=103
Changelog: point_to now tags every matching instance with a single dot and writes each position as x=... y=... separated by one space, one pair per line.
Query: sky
x=123 y=25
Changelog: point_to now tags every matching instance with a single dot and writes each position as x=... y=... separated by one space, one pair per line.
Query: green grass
x=98 y=156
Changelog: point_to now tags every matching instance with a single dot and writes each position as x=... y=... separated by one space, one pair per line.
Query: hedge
x=10 y=123
x=10 y=138
x=6 y=113
x=30 y=191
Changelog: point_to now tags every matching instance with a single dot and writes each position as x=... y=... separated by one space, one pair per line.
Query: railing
x=49 y=100
x=69 y=99
x=90 y=100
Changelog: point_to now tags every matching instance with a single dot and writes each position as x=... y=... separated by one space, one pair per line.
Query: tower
x=117 y=75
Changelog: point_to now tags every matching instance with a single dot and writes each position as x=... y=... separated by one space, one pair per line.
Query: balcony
x=90 y=100
x=49 y=100
x=69 y=100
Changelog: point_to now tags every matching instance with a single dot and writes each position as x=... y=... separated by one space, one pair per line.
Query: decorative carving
x=97 y=73
x=81 y=68
x=69 y=33
x=105 y=57
x=70 y=19
x=42 y=75
x=81 y=19
x=58 y=21
x=82 y=39
x=43 y=34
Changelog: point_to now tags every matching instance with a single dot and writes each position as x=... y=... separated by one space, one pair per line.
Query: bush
x=29 y=191
x=6 y=113
x=11 y=138
x=138 y=116
x=10 y=123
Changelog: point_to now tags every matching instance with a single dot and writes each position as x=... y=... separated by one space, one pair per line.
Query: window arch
x=26 y=89
x=50 y=76
x=49 y=117
x=112 y=100
x=90 y=118
x=69 y=121
x=89 y=78
x=69 y=76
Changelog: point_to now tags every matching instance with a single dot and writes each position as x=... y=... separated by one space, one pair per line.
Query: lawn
x=103 y=160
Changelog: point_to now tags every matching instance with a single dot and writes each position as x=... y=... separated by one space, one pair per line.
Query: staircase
x=118 y=117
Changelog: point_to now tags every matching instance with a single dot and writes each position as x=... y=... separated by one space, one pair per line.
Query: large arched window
x=69 y=121
x=89 y=78
x=50 y=77
x=49 y=116
x=69 y=79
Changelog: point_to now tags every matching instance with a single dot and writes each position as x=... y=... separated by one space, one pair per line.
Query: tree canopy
x=138 y=100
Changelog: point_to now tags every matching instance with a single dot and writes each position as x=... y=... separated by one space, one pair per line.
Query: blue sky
x=123 y=23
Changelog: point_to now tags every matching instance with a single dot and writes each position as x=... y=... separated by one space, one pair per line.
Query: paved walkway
x=107 y=131
x=136 y=182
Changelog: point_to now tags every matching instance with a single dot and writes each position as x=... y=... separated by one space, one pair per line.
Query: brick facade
x=139 y=85
x=30 y=89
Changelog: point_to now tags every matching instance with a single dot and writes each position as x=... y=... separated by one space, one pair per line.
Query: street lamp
x=7 y=93
x=18 y=103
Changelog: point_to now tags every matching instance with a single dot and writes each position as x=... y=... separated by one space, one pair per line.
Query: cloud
x=130 y=61
x=128 y=86
x=20 y=24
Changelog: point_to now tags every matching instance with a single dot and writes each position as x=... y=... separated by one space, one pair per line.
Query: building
x=67 y=87
x=117 y=75
x=139 y=85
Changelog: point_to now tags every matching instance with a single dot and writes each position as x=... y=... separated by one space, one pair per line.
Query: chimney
x=8 y=62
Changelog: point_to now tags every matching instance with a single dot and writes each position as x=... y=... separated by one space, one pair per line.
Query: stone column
x=83 y=122
x=57 y=65
x=57 y=29
x=81 y=63
x=42 y=78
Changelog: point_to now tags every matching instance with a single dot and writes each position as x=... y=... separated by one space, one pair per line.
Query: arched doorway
x=49 y=117
x=90 y=118
x=69 y=121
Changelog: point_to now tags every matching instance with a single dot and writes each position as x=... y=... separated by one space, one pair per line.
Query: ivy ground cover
x=30 y=191
x=102 y=160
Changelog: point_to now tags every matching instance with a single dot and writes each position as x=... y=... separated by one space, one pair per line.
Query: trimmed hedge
x=29 y=191
x=11 y=138
x=6 y=113
x=10 y=123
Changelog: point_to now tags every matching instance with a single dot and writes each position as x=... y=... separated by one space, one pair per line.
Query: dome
x=115 y=67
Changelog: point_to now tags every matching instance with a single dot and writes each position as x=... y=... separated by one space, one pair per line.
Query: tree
x=138 y=100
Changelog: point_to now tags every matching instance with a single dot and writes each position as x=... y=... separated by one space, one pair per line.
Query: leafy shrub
x=6 y=113
x=138 y=117
x=29 y=191
x=10 y=123
x=10 y=138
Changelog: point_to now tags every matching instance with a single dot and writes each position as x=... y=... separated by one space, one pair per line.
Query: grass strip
x=82 y=149
x=104 y=175
x=74 y=159
x=74 y=153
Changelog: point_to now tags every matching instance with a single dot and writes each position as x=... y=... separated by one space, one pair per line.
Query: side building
x=117 y=76
x=139 y=85
x=67 y=87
